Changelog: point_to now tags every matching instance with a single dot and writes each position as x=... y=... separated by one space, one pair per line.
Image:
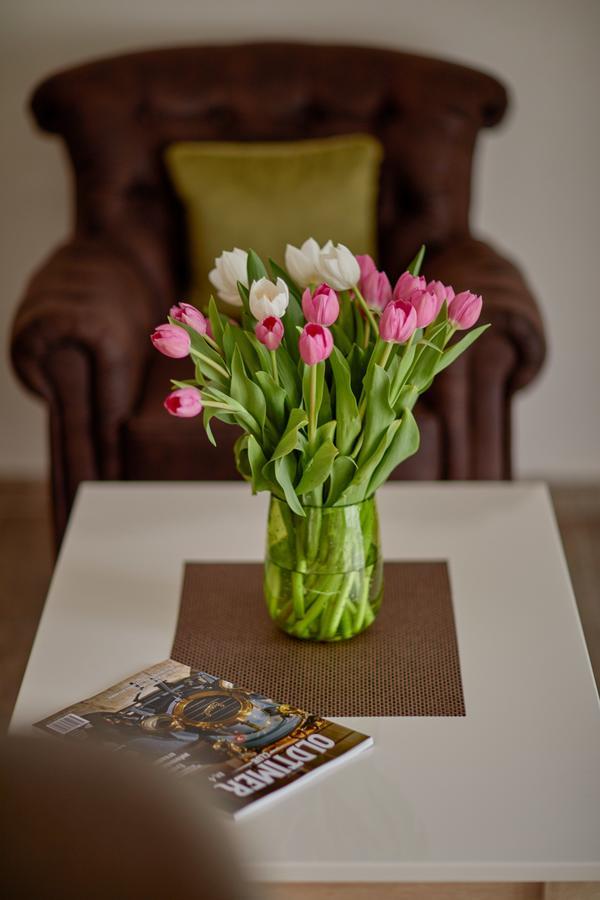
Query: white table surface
x=511 y=792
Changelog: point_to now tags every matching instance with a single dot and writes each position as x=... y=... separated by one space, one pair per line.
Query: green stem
x=212 y=343
x=298 y=594
x=398 y=384
x=365 y=306
x=367 y=334
x=209 y=362
x=216 y=405
x=312 y=413
x=314 y=612
x=274 y=364
x=389 y=346
x=363 y=600
x=331 y=626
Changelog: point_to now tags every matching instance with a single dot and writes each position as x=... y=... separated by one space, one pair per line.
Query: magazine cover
x=246 y=747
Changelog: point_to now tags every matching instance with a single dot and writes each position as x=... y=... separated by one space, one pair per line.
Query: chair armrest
x=90 y=298
x=508 y=304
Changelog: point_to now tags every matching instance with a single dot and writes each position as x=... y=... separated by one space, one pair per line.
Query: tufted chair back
x=118 y=115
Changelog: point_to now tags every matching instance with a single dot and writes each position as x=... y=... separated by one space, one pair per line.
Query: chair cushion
x=159 y=447
x=264 y=195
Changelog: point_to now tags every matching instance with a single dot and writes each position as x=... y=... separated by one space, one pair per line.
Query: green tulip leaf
x=427 y=357
x=245 y=298
x=216 y=323
x=255 y=267
x=318 y=469
x=257 y=462
x=358 y=487
x=325 y=432
x=278 y=272
x=342 y=341
x=358 y=360
x=207 y=415
x=405 y=443
x=291 y=438
x=306 y=379
x=240 y=454
x=275 y=398
x=325 y=410
x=455 y=350
x=342 y=473
x=293 y=321
x=398 y=370
x=241 y=415
x=289 y=377
x=415 y=265
x=285 y=472
x=406 y=399
x=379 y=412
x=245 y=391
x=346 y=407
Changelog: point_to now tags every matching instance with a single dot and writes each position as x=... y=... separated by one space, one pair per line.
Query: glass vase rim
x=370 y=499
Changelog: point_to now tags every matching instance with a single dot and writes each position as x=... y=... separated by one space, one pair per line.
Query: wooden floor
x=26 y=564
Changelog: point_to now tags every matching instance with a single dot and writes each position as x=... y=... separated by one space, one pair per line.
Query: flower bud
x=366 y=265
x=376 y=289
x=426 y=307
x=268 y=298
x=315 y=343
x=189 y=315
x=322 y=306
x=184 y=402
x=441 y=292
x=171 y=340
x=398 y=322
x=338 y=266
x=303 y=263
x=270 y=332
x=464 y=310
x=407 y=284
x=230 y=267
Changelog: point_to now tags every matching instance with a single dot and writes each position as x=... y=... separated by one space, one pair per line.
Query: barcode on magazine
x=67 y=723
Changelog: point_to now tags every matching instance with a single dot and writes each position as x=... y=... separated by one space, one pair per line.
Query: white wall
x=537 y=177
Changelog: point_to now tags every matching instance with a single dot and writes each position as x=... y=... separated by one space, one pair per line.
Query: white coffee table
x=510 y=793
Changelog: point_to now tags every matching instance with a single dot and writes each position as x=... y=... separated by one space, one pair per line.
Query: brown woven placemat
x=406 y=664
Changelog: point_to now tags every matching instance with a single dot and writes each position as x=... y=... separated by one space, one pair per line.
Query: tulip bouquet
x=321 y=372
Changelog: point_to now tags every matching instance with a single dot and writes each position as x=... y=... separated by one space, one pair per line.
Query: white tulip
x=230 y=267
x=303 y=263
x=338 y=267
x=268 y=299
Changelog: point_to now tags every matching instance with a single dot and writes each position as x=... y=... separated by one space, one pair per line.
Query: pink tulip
x=398 y=322
x=315 y=343
x=184 y=403
x=464 y=310
x=270 y=332
x=426 y=307
x=171 y=340
x=407 y=284
x=189 y=315
x=376 y=289
x=367 y=266
x=441 y=292
x=322 y=306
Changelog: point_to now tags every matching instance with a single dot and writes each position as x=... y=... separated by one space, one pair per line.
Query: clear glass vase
x=324 y=571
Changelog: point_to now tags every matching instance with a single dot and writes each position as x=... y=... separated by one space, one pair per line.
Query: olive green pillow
x=266 y=195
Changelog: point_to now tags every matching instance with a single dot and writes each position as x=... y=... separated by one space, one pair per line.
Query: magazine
x=246 y=747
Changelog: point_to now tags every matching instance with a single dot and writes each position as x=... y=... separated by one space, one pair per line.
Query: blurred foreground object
x=79 y=822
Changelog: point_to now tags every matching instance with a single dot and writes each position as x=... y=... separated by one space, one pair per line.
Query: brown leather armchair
x=81 y=332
